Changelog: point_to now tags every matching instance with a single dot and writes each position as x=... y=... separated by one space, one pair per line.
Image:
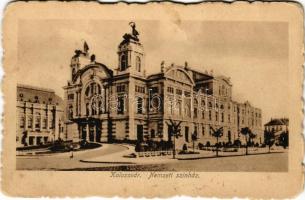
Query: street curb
x=220 y=156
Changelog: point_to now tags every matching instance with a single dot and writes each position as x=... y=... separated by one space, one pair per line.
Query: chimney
x=162 y=66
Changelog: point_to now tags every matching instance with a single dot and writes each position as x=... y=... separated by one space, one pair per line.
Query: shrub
x=184 y=148
x=200 y=146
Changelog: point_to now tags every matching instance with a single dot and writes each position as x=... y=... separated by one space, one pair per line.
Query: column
x=79 y=103
x=33 y=119
x=25 y=117
x=41 y=116
x=76 y=104
x=87 y=132
x=94 y=133
x=79 y=132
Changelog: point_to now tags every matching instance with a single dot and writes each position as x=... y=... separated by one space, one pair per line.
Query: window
x=139 y=105
x=170 y=90
x=93 y=89
x=121 y=88
x=222 y=117
x=178 y=92
x=187 y=94
x=153 y=90
x=202 y=114
x=87 y=109
x=44 y=123
x=51 y=123
x=229 y=118
x=210 y=115
x=93 y=108
x=100 y=107
x=216 y=116
x=188 y=110
x=30 y=122
x=37 y=121
x=36 y=99
x=195 y=112
x=22 y=122
x=120 y=105
x=138 y=64
x=140 y=89
x=179 y=106
x=123 y=62
x=202 y=103
x=203 y=130
x=70 y=112
x=70 y=96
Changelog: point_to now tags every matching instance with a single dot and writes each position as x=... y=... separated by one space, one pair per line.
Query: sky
x=253 y=54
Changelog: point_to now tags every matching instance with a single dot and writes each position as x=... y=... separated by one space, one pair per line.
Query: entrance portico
x=90 y=129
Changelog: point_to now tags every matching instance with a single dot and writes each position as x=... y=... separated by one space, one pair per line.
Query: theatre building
x=40 y=116
x=106 y=104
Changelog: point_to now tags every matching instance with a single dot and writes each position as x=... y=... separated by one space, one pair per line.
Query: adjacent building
x=277 y=126
x=123 y=103
x=39 y=116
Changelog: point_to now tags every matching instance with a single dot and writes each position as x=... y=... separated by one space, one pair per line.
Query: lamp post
x=175 y=133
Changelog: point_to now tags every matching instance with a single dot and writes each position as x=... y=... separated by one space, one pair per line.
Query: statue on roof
x=131 y=36
x=135 y=33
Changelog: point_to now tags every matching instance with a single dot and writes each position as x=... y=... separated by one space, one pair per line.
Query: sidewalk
x=241 y=152
x=61 y=154
x=118 y=158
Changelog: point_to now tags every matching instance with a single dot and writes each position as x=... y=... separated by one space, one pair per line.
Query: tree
x=269 y=138
x=217 y=133
x=246 y=131
x=194 y=138
x=284 y=139
x=175 y=133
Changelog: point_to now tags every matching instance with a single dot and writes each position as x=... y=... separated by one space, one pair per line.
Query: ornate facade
x=39 y=116
x=104 y=104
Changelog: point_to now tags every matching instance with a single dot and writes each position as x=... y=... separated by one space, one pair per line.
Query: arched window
x=93 y=89
x=123 y=62
x=138 y=64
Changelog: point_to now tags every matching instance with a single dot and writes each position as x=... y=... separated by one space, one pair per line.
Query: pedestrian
x=71 y=147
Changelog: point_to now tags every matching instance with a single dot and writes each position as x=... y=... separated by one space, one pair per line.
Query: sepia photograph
x=136 y=100
x=155 y=98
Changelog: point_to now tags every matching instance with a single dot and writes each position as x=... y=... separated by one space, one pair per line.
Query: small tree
x=269 y=138
x=217 y=133
x=246 y=131
x=284 y=139
x=194 y=138
x=175 y=133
